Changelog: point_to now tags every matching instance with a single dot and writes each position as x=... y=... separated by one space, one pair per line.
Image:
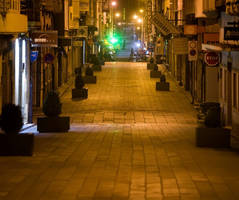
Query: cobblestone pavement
x=126 y=142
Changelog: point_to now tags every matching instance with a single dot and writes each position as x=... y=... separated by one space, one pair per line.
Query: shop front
x=22 y=77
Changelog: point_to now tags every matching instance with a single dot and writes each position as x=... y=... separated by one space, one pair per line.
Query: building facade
x=199 y=39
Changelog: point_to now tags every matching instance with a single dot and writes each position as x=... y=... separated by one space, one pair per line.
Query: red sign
x=212 y=59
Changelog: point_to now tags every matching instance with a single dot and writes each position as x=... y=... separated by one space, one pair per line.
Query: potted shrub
x=52 y=109
x=162 y=85
x=96 y=63
x=12 y=142
x=79 y=92
x=211 y=133
x=78 y=70
x=101 y=58
x=89 y=75
x=150 y=65
x=154 y=73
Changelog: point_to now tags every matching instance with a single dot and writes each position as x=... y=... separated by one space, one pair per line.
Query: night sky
x=131 y=7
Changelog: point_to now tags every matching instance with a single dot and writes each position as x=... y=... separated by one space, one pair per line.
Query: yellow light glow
x=113 y=3
x=117 y=14
x=138 y=28
x=141 y=10
x=140 y=20
x=119 y=24
x=135 y=17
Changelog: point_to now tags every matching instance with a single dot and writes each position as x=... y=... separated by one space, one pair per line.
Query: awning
x=163 y=25
x=210 y=47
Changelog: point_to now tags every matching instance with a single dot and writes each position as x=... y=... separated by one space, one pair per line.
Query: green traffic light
x=113 y=40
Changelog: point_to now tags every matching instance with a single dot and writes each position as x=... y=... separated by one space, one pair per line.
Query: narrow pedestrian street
x=127 y=141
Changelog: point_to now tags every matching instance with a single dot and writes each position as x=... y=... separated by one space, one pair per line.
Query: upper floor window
x=10 y=6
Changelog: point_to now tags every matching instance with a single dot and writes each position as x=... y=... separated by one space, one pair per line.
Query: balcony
x=164 y=25
x=11 y=21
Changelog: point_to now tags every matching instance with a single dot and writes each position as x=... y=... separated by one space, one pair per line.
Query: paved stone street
x=127 y=141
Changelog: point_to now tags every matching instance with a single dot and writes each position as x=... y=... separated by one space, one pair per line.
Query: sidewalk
x=127 y=142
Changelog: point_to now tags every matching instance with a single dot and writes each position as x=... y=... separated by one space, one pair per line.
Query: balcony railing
x=9 y=6
x=31 y=9
x=165 y=26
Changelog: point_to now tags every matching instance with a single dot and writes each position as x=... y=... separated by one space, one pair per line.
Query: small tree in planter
x=162 y=85
x=150 y=65
x=96 y=62
x=78 y=71
x=154 y=73
x=52 y=109
x=211 y=133
x=79 y=92
x=101 y=58
x=13 y=143
x=89 y=78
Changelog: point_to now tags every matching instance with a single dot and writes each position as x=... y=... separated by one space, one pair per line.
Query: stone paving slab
x=126 y=142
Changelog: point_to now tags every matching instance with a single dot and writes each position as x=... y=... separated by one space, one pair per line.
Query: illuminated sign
x=84 y=5
x=44 y=39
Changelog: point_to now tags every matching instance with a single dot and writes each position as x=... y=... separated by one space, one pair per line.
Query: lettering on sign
x=212 y=59
x=44 y=39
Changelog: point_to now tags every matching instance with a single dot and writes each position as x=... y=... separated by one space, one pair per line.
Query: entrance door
x=212 y=84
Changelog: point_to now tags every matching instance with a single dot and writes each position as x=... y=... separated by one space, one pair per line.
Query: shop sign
x=77 y=42
x=231 y=33
x=190 y=29
x=49 y=58
x=180 y=46
x=211 y=38
x=82 y=31
x=44 y=39
x=33 y=56
x=62 y=42
x=84 y=5
x=211 y=58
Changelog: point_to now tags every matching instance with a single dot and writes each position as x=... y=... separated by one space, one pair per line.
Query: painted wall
x=13 y=23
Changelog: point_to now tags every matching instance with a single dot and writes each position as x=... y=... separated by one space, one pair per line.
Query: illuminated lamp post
x=113 y=4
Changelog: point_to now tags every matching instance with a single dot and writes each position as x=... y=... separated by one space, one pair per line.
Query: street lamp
x=135 y=16
x=117 y=14
x=113 y=4
x=141 y=10
x=140 y=20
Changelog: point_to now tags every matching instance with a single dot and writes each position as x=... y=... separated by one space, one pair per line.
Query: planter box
x=213 y=137
x=162 y=86
x=53 y=124
x=150 y=66
x=96 y=68
x=89 y=79
x=80 y=93
x=155 y=74
x=17 y=145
